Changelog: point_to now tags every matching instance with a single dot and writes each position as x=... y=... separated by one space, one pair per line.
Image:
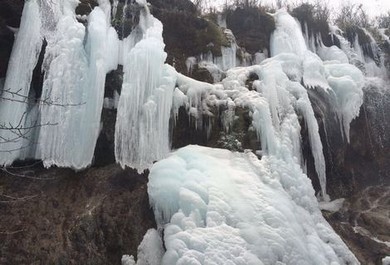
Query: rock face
x=365 y=160
x=10 y=13
x=363 y=223
x=57 y=216
x=252 y=28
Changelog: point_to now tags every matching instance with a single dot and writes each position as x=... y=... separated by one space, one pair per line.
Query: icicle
x=142 y=127
x=287 y=36
x=74 y=88
x=229 y=53
x=304 y=107
x=15 y=129
x=347 y=82
x=114 y=8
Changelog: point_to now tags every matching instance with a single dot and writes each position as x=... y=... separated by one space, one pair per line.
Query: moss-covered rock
x=186 y=34
x=85 y=7
x=251 y=26
x=314 y=19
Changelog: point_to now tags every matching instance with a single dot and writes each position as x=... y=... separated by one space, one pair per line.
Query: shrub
x=316 y=17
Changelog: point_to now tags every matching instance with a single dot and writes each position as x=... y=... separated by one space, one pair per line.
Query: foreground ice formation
x=219 y=207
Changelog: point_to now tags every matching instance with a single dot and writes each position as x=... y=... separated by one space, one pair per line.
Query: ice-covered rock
x=230 y=208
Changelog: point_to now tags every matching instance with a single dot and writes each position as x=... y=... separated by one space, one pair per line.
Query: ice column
x=15 y=129
x=142 y=125
x=74 y=89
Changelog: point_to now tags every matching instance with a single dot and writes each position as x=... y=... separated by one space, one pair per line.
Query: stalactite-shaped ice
x=347 y=82
x=274 y=107
x=74 y=90
x=314 y=72
x=303 y=106
x=142 y=126
x=15 y=130
x=287 y=37
x=229 y=53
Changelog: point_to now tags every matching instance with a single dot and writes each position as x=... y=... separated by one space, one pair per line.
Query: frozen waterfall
x=142 y=126
x=215 y=206
x=75 y=79
x=16 y=129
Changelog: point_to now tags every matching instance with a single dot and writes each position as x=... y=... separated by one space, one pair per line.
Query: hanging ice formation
x=205 y=198
x=75 y=79
x=67 y=123
x=15 y=105
x=142 y=126
x=202 y=196
x=73 y=89
x=278 y=99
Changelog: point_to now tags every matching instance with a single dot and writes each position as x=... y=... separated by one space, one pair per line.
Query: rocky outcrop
x=364 y=161
x=10 y=13
x=252 y=28
x=58 y=216
x=363 y=223
x=185 y=33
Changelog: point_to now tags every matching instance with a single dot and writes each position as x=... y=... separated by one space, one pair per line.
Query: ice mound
x=219 y=207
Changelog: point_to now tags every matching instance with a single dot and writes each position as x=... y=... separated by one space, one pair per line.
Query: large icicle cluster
x=279 y=97
x=75 y=65
x=206 y=199
x=15 y=126
x=142 y=127
x=64 y=125
x=74 y=80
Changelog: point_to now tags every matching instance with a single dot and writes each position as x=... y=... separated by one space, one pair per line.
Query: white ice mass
x=15 y=102
x=219 y=207
x=142 y=127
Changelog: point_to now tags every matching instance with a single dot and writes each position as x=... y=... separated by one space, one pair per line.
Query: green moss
x=212 y=16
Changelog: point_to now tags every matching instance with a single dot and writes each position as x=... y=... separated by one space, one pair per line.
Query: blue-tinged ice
x=287 y=37
x=144 y=109
x=16 y=126
x=347 y=82
x=219 y=207
x=74 y=88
